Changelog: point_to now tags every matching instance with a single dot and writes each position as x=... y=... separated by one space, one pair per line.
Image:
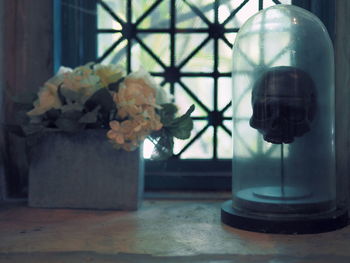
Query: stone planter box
x=84 y=171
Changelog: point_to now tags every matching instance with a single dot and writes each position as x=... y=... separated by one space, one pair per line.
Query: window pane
x=225 y=57
x=225 y=95
x=159 y=16
x=105 y=19
x=225 y=149
x=183 y=98
x=202 y=88
x=149 y=46
x=186 y=16
x=117 y=7
x=202 y=148
x=186 y=44
x=191 y=55
x=246 y=10
x=203 y=60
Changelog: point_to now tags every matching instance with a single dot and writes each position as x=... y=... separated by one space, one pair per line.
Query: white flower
x=108 y=73
x=59 y=76
x=47 y=99
x=63 y=70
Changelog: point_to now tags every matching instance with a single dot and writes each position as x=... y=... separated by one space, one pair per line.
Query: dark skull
x=284 y=104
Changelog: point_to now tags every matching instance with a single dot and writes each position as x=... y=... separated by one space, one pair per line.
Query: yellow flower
x=162 y=95
x=133 y=93
x=130 y=133
x=149 y=120
x=47 y=99
x=81 y=80
x=115 y=134
x=108 y=73
x=123 y=134
x=136 y=102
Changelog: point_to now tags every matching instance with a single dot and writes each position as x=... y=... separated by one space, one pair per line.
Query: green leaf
x=167 y=113
x=104 y=100
x=181 y=127
x=115 y=85
x=183 y=117
x=90 y=117
x=101 y=97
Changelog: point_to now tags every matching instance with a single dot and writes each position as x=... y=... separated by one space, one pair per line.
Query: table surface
x=161 y=231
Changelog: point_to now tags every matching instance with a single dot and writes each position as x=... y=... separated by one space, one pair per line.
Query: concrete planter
x=84 y=171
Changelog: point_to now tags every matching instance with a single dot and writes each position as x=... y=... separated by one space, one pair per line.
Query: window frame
x=175 y=174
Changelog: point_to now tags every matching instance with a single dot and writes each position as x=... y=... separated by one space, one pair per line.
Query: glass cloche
x=283 y=125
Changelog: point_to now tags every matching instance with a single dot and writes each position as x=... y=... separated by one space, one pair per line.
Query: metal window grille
x=186 y=44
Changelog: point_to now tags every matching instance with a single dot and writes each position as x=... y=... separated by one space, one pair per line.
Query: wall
x=27 y=63
x=342 y=97
x=2 y=181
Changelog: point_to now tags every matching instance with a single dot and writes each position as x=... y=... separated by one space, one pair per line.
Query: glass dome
x=283 y=115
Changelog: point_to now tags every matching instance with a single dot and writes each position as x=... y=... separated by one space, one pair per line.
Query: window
x=76 y=41
x=186 y=45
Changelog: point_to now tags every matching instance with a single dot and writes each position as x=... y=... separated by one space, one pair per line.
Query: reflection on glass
x=225 y=142
x=283 y=146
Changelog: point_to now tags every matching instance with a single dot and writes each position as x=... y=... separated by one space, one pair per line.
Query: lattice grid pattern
x=186 y=45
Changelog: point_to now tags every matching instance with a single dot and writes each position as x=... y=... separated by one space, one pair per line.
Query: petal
x=111 y=134
x=119 y=138
x=115 y=125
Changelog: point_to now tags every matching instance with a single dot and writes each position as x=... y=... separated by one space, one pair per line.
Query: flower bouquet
x=94 y=96
x=74 y=120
